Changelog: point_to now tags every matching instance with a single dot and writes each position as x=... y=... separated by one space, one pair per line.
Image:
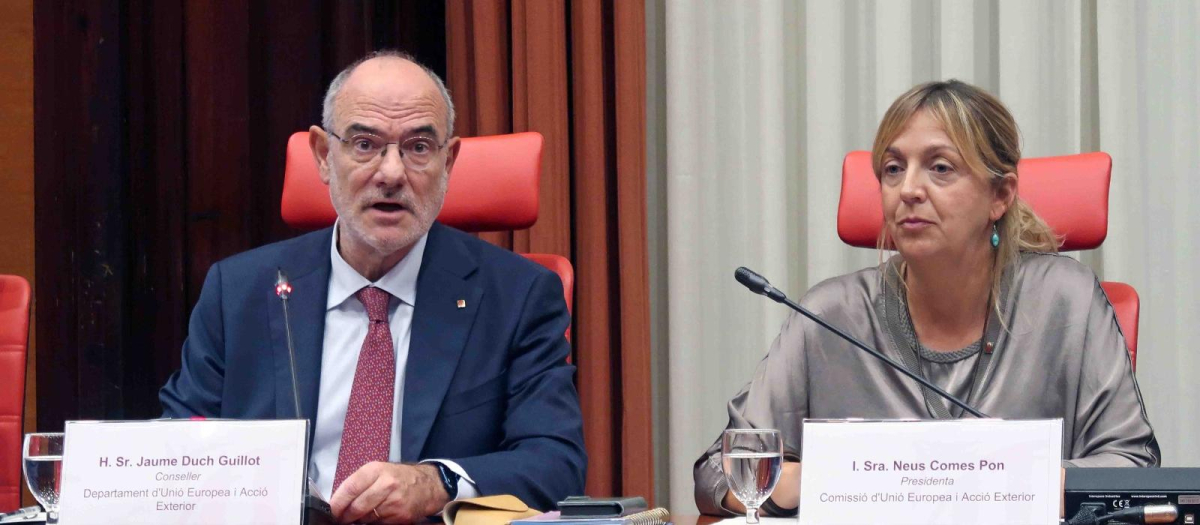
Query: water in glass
x=752 y=460
x=752 y=476
x=44 y=473
x=42 y=455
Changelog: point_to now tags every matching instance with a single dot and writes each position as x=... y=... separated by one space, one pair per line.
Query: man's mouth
x=388 y=207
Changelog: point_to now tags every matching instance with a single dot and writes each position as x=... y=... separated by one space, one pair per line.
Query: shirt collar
x=400 y=281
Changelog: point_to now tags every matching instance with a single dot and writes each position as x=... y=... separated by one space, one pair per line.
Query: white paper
x=179 y=471
x=931 y=472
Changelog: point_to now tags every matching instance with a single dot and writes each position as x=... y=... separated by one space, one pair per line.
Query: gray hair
x=335 y=87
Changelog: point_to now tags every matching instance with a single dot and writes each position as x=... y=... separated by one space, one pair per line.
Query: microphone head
x=758 y=284
x=755 y=282
x=282 y=288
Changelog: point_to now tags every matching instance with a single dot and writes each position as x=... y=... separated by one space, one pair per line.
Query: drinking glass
x=751 y=459
x=42 y=456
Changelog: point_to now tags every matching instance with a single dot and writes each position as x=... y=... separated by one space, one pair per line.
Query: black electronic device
x=589 y=507
x=316 y=511
x=1109 y=490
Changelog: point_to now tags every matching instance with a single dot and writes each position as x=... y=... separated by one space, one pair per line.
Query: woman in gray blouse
x=977 y=301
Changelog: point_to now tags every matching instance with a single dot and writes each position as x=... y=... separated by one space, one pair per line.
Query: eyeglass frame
x=399 y=148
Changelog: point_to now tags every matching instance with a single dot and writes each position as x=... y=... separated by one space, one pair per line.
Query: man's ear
x=1006 y=196
x=318 y=141
x=452 y=154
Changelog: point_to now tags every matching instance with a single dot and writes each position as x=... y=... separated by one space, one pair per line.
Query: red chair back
x=494 y=187
x=1128 y=307
x=1069 y=192
x=14 y=344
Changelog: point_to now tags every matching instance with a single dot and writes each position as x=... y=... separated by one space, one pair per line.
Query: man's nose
x=391 y=166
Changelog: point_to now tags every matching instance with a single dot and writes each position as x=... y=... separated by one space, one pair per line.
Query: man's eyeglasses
x=416 y=152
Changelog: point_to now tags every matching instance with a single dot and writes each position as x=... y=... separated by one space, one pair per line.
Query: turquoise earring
x=995 y=236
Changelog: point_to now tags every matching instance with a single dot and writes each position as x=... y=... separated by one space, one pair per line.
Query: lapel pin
x=462 y=303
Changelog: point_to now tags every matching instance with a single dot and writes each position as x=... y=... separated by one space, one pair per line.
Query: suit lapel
x=307 y=266
x=439 y=332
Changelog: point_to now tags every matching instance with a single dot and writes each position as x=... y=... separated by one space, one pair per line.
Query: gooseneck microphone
x=759 y=285
x=284 y=290
x=316 y=509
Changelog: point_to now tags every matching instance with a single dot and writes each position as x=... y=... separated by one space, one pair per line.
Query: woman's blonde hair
x=987 y=137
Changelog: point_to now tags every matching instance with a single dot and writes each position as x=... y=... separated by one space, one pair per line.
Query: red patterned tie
x=367 y=434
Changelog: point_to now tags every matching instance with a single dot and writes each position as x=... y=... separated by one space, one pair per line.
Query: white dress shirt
x=345 y=330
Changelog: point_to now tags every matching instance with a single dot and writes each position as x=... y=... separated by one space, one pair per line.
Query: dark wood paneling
x=284 y=98
x=221 y=220
x=157 y=169
x=160 y=131
x=80 y=213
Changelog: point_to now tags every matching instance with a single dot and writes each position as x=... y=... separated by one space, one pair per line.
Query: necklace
x=937 y=407
x=892 y=308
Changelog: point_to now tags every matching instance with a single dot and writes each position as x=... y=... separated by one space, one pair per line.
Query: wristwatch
x=449 y=479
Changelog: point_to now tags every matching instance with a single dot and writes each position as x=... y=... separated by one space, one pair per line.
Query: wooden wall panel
x=157 y=145
x=80 y=212
x=16 y=163
x=629 y=108
x=540 y=97
x=592 y=164
x=478 y=73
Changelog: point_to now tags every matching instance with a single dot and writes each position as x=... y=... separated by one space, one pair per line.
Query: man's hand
x=382 y=492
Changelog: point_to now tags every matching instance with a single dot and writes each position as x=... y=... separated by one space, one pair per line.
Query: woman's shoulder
x=1053 y=278
x=849 y=290
x=1053 y=269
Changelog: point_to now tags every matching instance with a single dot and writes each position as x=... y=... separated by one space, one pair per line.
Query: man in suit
x=431 y=364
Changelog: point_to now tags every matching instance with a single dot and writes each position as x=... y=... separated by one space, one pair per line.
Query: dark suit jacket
x=487 y=386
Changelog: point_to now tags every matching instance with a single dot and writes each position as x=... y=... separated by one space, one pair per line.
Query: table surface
x=694 y=519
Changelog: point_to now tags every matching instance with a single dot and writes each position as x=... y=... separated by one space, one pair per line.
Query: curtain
x=575 y=71
x=763 y=99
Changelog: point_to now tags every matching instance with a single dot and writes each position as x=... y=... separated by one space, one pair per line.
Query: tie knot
x=376 y=302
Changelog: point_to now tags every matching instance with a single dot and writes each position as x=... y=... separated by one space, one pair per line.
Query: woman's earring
x=995 y=236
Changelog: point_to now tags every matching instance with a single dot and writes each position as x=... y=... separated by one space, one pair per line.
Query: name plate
x=180 y=471
x=931 y=472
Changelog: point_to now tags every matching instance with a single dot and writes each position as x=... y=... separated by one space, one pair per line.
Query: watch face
x=449 y=480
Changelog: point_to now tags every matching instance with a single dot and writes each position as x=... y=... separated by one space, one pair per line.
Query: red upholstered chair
x=494 y=187
x=1069 y=192
x=14 y=343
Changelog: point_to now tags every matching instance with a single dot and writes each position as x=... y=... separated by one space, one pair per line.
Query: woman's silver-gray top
x=1058 y=353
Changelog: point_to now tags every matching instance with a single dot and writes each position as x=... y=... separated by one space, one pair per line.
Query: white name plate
x=180 y=471
x=931 y=472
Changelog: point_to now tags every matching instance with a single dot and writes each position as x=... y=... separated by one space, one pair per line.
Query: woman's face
x=933 y=207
